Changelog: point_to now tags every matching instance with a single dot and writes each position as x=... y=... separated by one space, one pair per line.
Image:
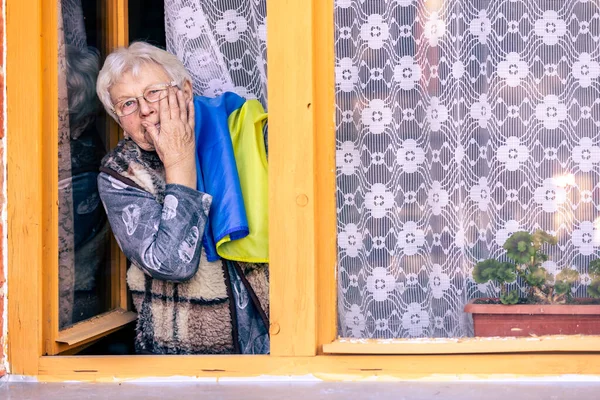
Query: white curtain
x=459 y=122
x=222 y=43
x=73 y=23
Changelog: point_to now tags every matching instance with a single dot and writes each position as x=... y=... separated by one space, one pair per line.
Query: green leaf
x=567 y=275
x=493 y=270
x=594 y=288
x=594 y=267
x=510 y=298
x=519 y=247
x=536 y=276
x=506 y=273
x=562 y=287
x=485 y=271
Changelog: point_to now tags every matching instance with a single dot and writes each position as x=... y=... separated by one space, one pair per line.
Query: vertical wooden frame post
x=49 y=171
x=292 y=183
x=24 y=182
x=116 y=19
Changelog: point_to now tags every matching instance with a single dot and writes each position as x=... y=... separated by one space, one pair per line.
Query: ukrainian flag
x=232 y=167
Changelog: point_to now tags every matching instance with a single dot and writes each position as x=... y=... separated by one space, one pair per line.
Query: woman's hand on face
x=174 y=142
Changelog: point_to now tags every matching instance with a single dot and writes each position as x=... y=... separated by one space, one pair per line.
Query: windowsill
x=465 y=345
x=321 y=367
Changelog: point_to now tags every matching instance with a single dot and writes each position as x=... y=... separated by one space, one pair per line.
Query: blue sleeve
x=164 y=240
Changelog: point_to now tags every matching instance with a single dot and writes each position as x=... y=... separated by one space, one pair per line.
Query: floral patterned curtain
x=222 y=43
x=458 y=123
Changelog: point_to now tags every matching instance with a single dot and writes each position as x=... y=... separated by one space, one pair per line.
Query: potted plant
x=548 y=307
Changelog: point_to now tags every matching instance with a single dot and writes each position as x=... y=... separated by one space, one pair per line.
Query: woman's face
x=133 y=86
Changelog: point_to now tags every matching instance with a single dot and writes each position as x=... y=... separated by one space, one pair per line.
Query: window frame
x=302 y=225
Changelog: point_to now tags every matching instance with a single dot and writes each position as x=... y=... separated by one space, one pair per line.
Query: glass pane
x=84 y=239
x=147 y=21
x=459 y=123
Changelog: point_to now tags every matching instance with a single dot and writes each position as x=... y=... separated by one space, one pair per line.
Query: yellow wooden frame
x=302 y=215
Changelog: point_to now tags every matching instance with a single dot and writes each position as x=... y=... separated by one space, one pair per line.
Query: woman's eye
x=153 y=94
x=128 y=103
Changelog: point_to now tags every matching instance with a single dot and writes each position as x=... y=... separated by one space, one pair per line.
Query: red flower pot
x=534 y=319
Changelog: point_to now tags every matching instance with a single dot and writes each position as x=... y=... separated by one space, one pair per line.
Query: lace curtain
x=458 y=123
x=222 y=44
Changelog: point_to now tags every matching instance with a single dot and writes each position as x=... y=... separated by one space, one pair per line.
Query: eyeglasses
x=152 y=94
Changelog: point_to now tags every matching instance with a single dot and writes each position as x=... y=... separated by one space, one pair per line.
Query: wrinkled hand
x=174 y=142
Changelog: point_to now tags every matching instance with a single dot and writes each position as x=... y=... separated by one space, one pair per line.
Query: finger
x=163 y=109
x=173 y=106
x=182 y=107
x=152 y=131
x=191 y=115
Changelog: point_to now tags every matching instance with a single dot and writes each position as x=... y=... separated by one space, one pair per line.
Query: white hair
x=131 y=59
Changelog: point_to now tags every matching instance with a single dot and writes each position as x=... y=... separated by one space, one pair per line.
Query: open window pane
x=460 y=122
x=84 y=233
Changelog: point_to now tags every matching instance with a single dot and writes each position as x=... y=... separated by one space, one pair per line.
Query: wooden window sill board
x=465 y=345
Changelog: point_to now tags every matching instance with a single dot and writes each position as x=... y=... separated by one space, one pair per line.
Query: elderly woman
x=148 y=185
